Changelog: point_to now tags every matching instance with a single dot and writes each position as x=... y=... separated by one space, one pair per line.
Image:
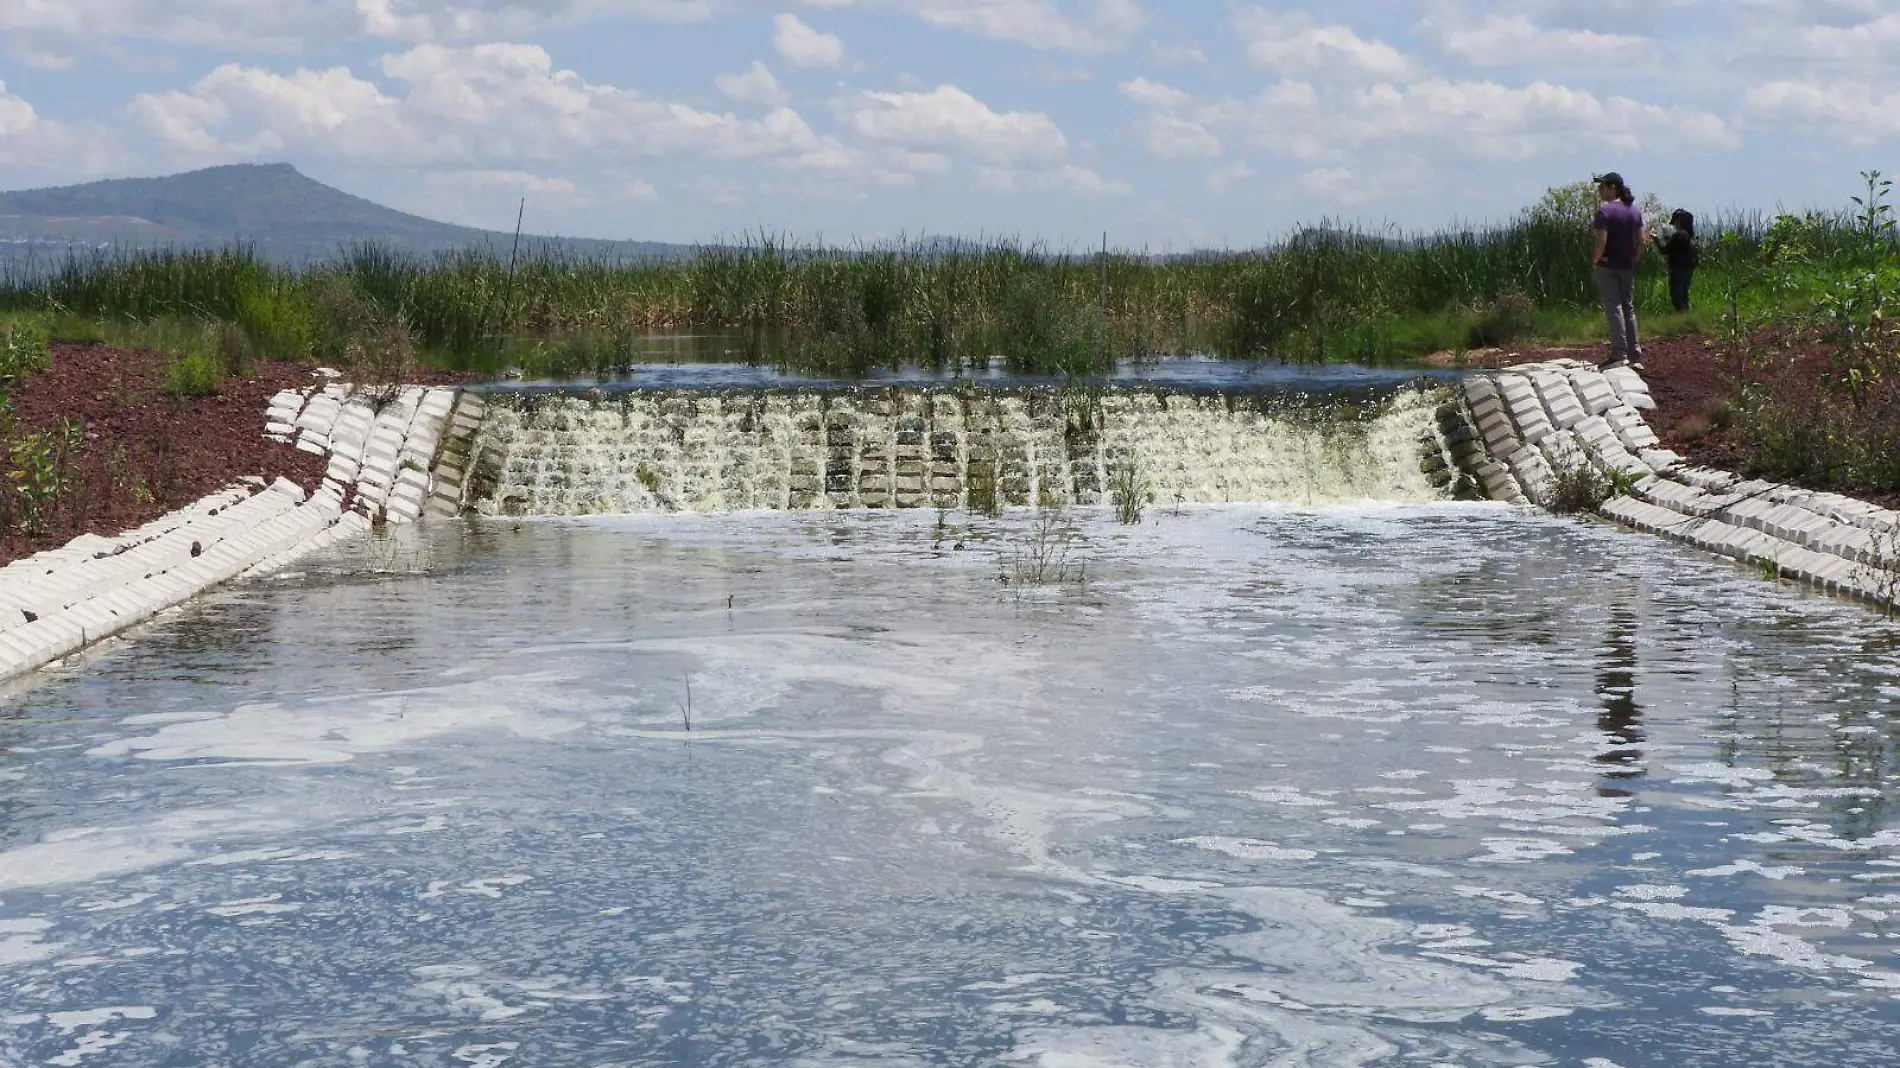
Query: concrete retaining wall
x=1514 y=433
x=56 y=602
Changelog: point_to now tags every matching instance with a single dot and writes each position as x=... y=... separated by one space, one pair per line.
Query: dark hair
x=1683 y=221
x=1622 y=191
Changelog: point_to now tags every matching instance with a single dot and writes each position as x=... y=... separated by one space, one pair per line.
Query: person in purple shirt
x=1618 y=245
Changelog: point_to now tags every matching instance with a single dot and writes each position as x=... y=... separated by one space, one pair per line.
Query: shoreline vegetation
x=1325 y=293
x=1789 y=367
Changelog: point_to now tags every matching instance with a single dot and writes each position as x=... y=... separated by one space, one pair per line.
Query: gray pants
x=1617 y=288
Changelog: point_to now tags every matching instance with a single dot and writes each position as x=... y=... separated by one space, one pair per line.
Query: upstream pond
x=1425 y=784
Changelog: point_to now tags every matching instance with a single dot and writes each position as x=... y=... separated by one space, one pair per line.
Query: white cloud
x=1433 y=119
x=1069 y=178
x=290 y=25
x=1513 y=40
x=485 y=108
x=1154 y=94
x=1169 y=136
x=1856 y=113
x=1490 y=120
x=754 y=86
x=17 y=117
x=34 y=147
x=802 y=46
x=1342 y=185
x=1223 y=177
x=522 y=182
x=1292 y=44
x=1100 y=25
x=947 y=119
x=1165 y=132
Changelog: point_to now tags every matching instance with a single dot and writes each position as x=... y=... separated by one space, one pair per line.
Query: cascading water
x=754 y=450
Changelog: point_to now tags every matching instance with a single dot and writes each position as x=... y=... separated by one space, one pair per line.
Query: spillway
x=733 y=450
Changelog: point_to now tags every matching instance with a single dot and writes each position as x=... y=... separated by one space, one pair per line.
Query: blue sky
x=1177 y=125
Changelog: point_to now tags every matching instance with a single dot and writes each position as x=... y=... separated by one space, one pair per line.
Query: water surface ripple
x=1381 y=785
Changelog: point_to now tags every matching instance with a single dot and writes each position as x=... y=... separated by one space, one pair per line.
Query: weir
x=723 y=450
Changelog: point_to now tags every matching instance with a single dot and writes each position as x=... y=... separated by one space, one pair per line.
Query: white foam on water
x=269 y=856
x=117 y=903
x=1248 y=849
x=337 y=730
x=491 y=1055
x=268 y=905
x=21 y=941
x=84 y=854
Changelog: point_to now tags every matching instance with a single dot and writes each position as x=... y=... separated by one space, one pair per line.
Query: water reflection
x=1620 y=718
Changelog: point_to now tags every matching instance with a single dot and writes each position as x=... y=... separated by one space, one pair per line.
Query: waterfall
x=910 y=447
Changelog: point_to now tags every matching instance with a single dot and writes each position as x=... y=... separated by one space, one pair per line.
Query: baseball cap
x=1611 y=178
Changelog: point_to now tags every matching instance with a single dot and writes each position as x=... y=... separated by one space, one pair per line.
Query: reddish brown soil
x=1694 y=377
x=146 y=452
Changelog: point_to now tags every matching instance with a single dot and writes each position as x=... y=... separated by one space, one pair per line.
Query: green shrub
x=275 y=321
x=1130 y=492
x=193 y=373
x=22 y=351
x=1579 y=487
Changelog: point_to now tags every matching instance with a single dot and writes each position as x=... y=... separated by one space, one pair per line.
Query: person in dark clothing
x=1618 y=245
x=1682 y=254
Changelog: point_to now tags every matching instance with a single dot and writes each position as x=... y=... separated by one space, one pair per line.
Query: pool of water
x=1184 y=373
x=1379 y=785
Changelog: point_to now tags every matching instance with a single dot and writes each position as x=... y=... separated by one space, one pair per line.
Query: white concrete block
x=411 y=474
x=56 y=637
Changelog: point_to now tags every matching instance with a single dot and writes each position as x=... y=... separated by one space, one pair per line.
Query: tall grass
x=1324 y=294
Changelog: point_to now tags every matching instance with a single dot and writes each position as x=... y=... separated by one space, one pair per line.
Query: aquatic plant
x=1577 y=487
x=1130 y=491
x=1040 y=556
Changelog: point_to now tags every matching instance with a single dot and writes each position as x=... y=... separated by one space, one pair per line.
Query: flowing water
x=1036 y=446
x=1357 y=782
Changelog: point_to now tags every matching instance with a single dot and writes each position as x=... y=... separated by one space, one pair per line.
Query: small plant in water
x=1042 y=558
x=1579 y=487
x=1130 y=491
x=385 y=551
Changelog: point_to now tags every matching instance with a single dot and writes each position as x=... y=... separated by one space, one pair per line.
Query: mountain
x=286 y=216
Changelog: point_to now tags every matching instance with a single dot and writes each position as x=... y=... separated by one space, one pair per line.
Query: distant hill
x=287 y=217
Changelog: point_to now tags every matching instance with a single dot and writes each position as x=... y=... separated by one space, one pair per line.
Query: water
x=1419 y=784
x=705 y=362
x=747 y=450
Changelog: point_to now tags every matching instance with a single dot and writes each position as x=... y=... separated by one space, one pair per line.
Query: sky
x=1185 y=124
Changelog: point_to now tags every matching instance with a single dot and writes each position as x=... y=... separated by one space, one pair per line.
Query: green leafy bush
x=22 y=351
x=193 y=373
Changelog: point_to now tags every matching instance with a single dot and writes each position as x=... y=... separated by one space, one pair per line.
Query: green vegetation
x=1130 y=491
x=22 y=352
x=39 y=470
x=1816 y=375
x=1323 y=294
